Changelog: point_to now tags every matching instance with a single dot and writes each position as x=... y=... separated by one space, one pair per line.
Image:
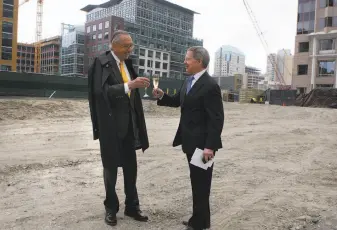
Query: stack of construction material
x=321 y=98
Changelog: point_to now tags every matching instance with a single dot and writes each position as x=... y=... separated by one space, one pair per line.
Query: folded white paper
x=197 y=159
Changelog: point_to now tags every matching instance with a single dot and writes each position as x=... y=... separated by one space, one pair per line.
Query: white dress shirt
x=126 y=87
x=196 y=78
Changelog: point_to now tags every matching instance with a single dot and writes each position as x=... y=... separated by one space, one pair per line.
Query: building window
x=157 y=65
x=158 y=55
x=150 y=53
x=141 y=72
x=165 y=66
x=94 y=28
x=106 y=24
x=306 y=17
x=326 y=68
x=88 y=29
x=6 y=68
x=94 y=37
x=303 y=47
x=328 y=21
x=165 y=56
x=9 y=2
x=100 y=36
x=100 y=26
x=141 y=62
x=106 y=35
x=302 y=69
x=327 y=3
x=6 y=53
x=7 y=39
x=149 y=63
x=327 y=44
x=7 y=27
x=322 y=3
x=7 y=11
x=142 y=52
x=321 y=23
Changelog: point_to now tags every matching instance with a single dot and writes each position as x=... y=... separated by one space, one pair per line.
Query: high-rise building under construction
x=8 y=36
x=162 y=32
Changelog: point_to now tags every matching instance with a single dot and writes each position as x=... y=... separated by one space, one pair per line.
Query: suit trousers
x=128 y=160
x=201 y=186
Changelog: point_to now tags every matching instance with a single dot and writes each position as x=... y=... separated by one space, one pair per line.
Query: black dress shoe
x=191 y=228
x=110 y=219
x=137 y=216
x=185 y=223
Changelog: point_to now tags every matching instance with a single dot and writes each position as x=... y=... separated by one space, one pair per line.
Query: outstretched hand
x=139 y=82
x=157 y=93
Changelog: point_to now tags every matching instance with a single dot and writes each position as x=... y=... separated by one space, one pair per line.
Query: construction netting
x=320 y=98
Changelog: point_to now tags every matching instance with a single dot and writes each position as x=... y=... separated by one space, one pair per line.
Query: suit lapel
x=183 y=93
x=197 y=85
x=111 y=67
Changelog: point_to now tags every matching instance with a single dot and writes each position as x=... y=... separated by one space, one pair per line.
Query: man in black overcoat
x=200 y=126
x=118 y=122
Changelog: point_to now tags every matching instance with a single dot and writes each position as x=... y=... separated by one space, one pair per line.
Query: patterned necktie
x=189 y=84
x=123 y=73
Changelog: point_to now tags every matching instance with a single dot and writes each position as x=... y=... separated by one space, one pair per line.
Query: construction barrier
x=39 y=85
x=280 y=97
x=246 y=95
x=230 y=97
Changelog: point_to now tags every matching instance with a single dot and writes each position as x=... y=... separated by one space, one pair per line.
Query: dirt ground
x=277 y=170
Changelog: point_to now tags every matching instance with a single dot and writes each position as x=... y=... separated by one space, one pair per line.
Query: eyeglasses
x=130 y=46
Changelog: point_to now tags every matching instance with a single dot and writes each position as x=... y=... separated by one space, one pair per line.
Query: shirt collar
x=115 y=57
x=198 y=75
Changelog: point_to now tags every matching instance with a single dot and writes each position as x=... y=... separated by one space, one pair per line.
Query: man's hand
x=208 y=154
x=139 y=82
x=157 y=93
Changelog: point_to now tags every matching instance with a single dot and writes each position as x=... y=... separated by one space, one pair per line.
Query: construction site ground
x=277 y=170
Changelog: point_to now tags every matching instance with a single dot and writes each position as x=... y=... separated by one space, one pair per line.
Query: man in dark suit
x=201 y=124
x=118 y=122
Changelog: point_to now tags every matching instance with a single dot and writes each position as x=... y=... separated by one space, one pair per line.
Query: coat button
x=110 y=114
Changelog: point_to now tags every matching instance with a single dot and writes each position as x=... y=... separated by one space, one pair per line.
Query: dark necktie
x=189 y=84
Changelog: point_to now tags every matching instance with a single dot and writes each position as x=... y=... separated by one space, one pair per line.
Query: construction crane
x=38 y=33
x=264 y=43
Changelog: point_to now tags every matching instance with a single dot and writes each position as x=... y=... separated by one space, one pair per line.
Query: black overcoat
x=110 y=108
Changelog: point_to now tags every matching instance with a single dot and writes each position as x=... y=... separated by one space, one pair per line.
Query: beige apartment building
x=315 y=56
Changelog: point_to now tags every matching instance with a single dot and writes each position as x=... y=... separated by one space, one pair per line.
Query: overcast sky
x=221 y=22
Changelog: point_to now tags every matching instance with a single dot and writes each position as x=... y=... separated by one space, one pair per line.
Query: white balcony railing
x=322 y=52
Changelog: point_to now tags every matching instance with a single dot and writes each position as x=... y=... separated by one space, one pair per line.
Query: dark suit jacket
x=202 y=115
x=110 y=108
